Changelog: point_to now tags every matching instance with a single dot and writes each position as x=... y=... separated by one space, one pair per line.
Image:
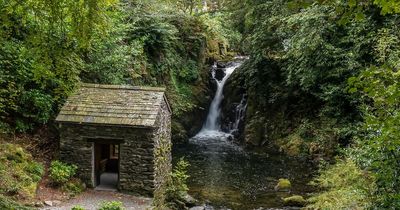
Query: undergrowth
x=345 y=186
x=19 y=176
x=19 y=173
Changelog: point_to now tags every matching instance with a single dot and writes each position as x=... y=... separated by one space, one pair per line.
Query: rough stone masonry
x=138 y=119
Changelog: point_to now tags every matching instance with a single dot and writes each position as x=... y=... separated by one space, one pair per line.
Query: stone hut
x=118 y=136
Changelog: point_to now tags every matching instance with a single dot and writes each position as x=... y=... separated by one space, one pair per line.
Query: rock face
x=219 y=74
x=189 y=123
x=234 y=94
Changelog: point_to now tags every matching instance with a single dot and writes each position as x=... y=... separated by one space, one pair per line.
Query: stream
x=225 y=176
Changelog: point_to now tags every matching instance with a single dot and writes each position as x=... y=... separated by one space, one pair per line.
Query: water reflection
x=226 y=176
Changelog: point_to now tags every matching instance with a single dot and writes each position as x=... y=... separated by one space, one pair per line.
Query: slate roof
x=113 y=105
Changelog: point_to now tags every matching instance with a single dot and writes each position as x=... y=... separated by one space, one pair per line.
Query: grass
x=345 y=186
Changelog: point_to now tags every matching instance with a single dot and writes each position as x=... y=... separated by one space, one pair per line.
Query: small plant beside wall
x=62 y=175
x=177 y=188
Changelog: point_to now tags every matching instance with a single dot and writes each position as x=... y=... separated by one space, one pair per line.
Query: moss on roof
x=113 y=105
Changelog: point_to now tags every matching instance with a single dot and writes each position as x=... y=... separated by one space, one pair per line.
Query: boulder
x=295 y=200
x=48 y=203
x=197 y=208
x=190 y=201
x=283 y=185
x=56 y=203
x=219 y=74
x=38 y=204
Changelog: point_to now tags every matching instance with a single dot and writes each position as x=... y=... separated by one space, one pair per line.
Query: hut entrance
x=106 y=166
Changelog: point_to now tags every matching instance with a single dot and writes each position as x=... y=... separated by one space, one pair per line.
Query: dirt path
x=91 y=200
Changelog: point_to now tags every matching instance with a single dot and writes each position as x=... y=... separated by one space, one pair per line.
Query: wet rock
x=179 y=133
x=221 y=64
x=190 y=201
x=48 y=203
x=283 y=185
x=234 y=92
x=56 y=203
x=198 y=208
x=219 y=74
x=295 y=200
x=38 y=204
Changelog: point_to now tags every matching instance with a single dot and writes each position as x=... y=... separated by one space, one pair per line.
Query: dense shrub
x=345 y=186
x=60 y=173
x=41 y=55
x=112 y=205
x=376 y=148
x=73 y=187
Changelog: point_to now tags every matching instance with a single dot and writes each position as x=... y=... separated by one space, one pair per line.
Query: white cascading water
x=240 y=113
x=212 y=123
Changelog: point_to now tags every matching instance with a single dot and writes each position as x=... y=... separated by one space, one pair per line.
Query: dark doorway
x=106 y=168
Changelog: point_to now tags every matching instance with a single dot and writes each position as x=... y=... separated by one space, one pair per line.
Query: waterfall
x=240 y=113
x=212 y=122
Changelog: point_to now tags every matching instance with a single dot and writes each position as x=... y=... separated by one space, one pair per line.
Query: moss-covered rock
x=292 y=145
x=179 y=133
x=283 y=185
x=295 y=200
x=19 y=173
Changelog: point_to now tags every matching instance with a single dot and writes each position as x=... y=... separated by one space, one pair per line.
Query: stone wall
x=137 y=171
x=162 y=153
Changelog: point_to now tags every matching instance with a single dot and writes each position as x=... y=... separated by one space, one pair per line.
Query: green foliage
x=77 y=207
x=317 y=72
x=345 y=186
x=73 y=187
x=388 y=6
x=112 y=205
x=377 y=149
x=300 y=61
x=48 y=47
x=20 y=173
x=219 y=26
x=176 y=187
x=187 y=6
x=60 y=173
x=6 y=203
x=109 y=60
x=172 y=53
x=40 y=56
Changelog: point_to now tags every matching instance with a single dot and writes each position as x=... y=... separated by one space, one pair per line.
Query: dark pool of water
x=226 y=176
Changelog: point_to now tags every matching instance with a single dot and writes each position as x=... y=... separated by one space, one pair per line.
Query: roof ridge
x=123 y=87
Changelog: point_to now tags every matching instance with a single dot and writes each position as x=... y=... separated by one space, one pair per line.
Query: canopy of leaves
x=48 y=47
